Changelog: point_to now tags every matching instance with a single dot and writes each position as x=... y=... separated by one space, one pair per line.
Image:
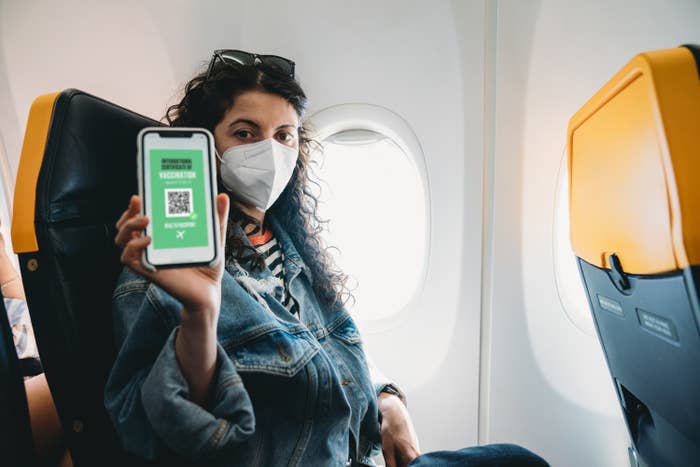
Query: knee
x=491 y=455
x=514 y=455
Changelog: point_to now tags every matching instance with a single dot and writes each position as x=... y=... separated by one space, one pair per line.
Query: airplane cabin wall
x=547 y=385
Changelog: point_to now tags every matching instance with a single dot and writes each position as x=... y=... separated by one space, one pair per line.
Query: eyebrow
x=286 y=125
x=254 y=124
x=243 y=120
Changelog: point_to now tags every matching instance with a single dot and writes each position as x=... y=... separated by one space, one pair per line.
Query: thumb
x=222 y=207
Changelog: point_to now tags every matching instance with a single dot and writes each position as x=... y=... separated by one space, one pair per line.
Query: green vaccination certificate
x=178 y=198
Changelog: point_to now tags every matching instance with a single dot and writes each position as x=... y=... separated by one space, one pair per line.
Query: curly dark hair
x=205 y=101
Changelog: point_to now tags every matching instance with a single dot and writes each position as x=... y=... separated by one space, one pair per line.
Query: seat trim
x=663 y=84
x=33 y=148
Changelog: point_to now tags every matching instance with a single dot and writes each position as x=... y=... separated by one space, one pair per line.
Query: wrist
x=388 y=402
x=392 y=389
x=5 y=282
x=385 y=395
x=199 y=320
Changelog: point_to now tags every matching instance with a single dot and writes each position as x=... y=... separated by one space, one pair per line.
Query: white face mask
x=257 y=173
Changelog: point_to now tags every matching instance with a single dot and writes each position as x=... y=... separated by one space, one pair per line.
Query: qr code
x=178 y=203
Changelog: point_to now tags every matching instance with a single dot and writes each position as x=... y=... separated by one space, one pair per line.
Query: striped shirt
x=267 y=245
x=23 y=336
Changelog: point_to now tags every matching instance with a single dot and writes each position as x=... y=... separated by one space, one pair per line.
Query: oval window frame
x=573 y=298
x=338 y=118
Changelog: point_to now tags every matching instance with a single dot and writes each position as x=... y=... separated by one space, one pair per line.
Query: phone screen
x=178 y=197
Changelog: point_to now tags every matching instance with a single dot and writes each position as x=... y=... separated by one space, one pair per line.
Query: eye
x=286 y=137
x=243 y=134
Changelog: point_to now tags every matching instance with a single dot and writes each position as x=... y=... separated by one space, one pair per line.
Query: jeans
x=492 y=455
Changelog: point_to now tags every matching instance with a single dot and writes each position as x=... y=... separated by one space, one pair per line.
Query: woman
x=253 y=361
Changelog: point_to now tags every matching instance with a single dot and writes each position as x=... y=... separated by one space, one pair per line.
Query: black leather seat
x=76 y=174
x=16 y=443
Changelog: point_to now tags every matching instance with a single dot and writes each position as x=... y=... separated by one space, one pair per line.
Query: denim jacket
x=287 y=390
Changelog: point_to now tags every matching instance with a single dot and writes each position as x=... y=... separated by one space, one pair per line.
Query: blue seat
x=635 y=228
x=76 y=173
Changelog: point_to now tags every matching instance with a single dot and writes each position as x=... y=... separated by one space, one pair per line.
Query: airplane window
x=567 y=277
x=374 y=196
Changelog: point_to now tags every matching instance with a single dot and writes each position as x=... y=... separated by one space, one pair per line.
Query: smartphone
x=177 y=184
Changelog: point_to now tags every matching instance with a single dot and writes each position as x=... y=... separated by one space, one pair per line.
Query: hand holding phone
x=198 y=288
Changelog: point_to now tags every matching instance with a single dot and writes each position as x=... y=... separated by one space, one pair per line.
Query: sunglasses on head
x=239 y=57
